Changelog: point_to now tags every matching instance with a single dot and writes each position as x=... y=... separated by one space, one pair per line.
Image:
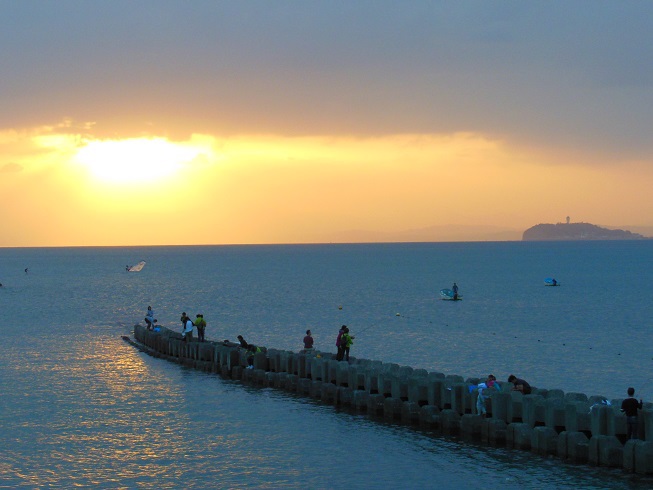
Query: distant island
x=576 y=231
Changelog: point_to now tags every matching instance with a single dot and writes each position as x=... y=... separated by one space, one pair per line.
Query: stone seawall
x=572 y=426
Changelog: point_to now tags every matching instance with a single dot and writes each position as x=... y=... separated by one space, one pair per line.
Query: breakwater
x=571 y=426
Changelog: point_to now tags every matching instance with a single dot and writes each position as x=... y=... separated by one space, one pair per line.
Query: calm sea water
x=80 y=407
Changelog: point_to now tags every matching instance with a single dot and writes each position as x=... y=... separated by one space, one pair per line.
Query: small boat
x=549 y=281
x=448 y=295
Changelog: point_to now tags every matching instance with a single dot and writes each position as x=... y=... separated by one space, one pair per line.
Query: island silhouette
x=576 y=231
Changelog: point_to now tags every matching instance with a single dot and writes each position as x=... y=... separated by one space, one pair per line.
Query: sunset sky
x=215 y=122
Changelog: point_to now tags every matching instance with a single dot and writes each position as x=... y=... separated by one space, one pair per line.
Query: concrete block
x=303 y=365
x=645 y=419
x=555 y=413
x=271 y=379
x=329 y=393
x=359 y=400
x=573 y=446
x=555 y=393
x=429 y=416
x=316 y=389
x=470 y=425
x=375 y=404
x=519 y=436
x=410 y=412
x=392 y=408
x=599 y=419
x=345 y=396
x=417 y=390
x=544 y=440
x=516 y=408
x=280 y=380
x=500 y=403
x=274 y=359
x=533 y=410
x=617 y=424
x=494 y=431
x=435 y=392
x=304 y=386
x=291 y=383
x=450 y=421
x=576 y=397
x=644 y=458
x=372 y=381
x=356 y=377
x=605 y=450
x=331 y=371
x=384 y=383
x=577 y=416
x=461 y=400
x=342 y=373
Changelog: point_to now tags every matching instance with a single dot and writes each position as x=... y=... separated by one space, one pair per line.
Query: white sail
x=137 y=267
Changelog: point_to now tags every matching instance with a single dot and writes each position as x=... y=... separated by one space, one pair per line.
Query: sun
x=135 y=160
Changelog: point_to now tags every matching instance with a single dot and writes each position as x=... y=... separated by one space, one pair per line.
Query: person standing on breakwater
x=188 y=329
x=200 y=323
x=520 y=384
x=308 y=342
x=149 y=318
x=630 y=406
x=339 y=344
x=346 y=342
x=490 y=382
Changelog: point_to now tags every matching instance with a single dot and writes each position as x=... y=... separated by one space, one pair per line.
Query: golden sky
x=302 y=122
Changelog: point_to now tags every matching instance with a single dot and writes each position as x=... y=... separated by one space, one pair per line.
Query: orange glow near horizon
x=207 y=189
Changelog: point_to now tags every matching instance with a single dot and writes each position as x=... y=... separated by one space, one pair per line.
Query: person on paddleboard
x=454 y=288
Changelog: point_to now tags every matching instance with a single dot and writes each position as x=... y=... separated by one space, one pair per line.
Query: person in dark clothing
x=630 y=406
x=340 y=345
x=308 y=342
x=520 y=384
x=243 y=344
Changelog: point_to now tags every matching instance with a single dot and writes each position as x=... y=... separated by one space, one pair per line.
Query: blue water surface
x=80 y=407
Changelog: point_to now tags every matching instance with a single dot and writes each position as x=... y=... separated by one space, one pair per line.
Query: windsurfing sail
x=136 y=268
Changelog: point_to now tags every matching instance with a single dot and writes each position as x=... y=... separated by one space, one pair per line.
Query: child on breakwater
x=490 y=382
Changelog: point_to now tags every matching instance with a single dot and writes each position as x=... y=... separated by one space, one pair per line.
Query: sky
x=175 y=122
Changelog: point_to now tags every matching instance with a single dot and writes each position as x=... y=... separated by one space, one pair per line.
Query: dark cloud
x=571 y=74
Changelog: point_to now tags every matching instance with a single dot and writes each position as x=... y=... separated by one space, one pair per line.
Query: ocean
x=81 y=408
